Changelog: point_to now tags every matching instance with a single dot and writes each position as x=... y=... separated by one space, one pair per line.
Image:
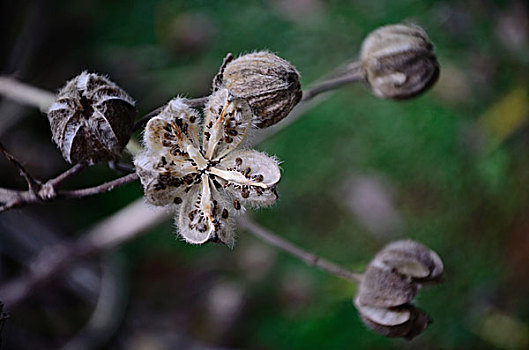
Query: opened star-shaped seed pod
x=207 y=179
x=390 y=284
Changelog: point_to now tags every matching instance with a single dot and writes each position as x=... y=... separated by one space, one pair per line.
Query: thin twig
x=26 y=94
x=14 y=199
x=108 y=186
x=33 y=184
x=308 y=258
x=57 y=181
x=354 y=74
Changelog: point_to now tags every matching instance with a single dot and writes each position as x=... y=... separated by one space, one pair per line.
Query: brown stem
x=33 y=184
x=108 y=186
x=14 y=199
x=353 y=74
x=308 y=258
x=57 y=181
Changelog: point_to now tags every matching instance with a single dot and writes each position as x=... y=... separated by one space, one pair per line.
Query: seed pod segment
x=405 y=321
x=412 y=259
x=269 y=83
x=92 y=119
x=399 y=61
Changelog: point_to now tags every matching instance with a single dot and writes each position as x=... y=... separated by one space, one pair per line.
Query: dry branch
x=121 y=227
x=136 y=218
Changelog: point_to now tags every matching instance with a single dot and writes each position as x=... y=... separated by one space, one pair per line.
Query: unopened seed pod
x=92 y=119
x=399 y=61
x=269 y=83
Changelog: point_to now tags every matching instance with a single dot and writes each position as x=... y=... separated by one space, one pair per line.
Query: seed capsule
x=390 y=284
x=269 y=83
x=399 y=61
x=92 y=119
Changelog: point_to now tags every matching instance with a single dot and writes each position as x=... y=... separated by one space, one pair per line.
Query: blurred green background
x=448 y=169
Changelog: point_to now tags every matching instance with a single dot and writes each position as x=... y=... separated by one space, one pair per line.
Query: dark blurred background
x=449 y=169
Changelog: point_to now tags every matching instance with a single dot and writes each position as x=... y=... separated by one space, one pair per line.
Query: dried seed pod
x=399 y=61
x=383 y=288
x=269 y=83
x=92 y=119
x=405 y=321
x=390 y=284
x=411 y=259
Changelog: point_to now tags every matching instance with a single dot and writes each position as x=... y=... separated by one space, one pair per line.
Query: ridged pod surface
x=399 y=61
x=269 y=83
x=92 y=119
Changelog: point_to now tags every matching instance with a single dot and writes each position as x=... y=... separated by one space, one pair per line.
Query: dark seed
x=216 y=184
x=259 y=178
x=177 y=200
x=192 y=119
x=228 y=139
x=247 y=172
x=237 y=205
x=238 y=161
x=224 y=213
x=245 y=194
